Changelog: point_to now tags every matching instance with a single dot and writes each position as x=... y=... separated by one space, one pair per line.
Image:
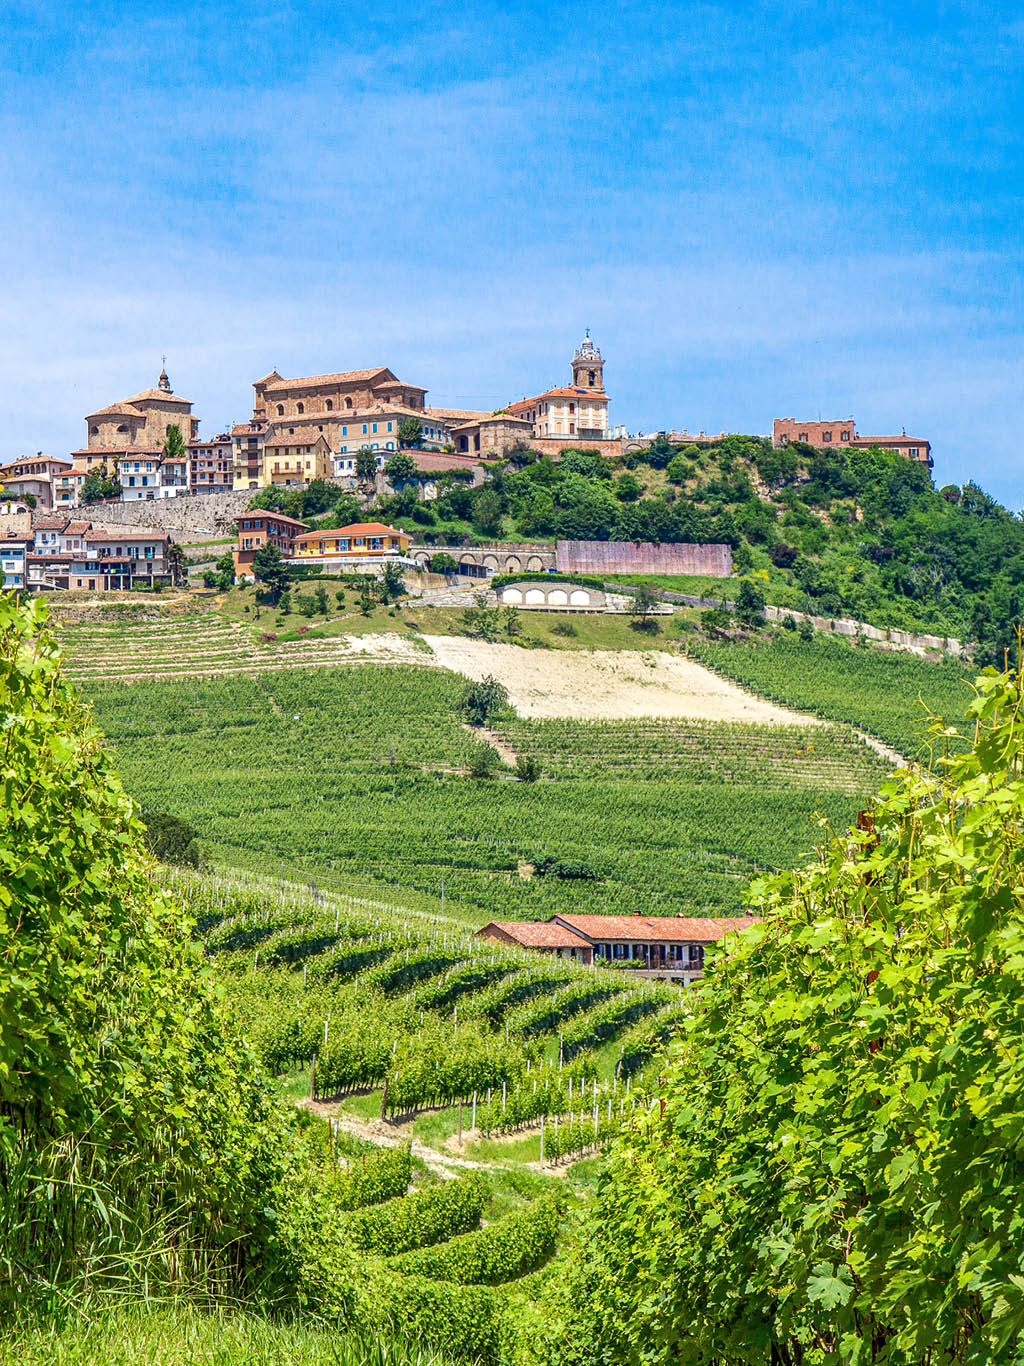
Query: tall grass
x=182 y=1335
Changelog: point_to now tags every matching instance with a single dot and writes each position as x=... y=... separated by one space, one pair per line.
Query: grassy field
x=358 y=777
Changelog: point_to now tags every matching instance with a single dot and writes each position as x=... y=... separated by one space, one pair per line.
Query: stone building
x=843 y=432
x=142 y=421
x=578 y=414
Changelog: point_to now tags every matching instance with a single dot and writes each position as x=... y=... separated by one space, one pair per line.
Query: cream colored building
x=577 y=413
x=290 y=460
x=141 y=421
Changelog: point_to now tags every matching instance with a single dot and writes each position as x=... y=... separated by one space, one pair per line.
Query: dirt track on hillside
x=608 y=685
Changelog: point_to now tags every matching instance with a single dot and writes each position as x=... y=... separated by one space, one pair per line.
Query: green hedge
x=464 y=1322
x=425 y=1217
x=371 y=1181
x=509 y=1248
x=584 y=580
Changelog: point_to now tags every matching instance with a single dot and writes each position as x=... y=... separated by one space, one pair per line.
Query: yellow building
x=295 y=460
x=359 y=542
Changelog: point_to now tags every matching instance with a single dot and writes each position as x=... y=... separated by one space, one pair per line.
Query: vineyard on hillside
x=412 y=1014
x=361 y=777
x=889 y=694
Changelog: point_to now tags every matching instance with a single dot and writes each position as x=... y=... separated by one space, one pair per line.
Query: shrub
x=564 y=628
x=504 y=1250
x=806 y=629
x=484 y=701
x=527 y=768
x=418 y=1220
x=443 y=563
x=484 y=760
x=169 y=838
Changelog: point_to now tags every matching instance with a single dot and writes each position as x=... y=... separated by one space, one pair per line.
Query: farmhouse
x=668 y=946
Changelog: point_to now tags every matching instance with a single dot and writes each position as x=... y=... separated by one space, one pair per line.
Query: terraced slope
x=209 y=645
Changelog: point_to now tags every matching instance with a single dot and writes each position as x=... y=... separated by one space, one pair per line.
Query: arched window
x=348 y=403
x=280 y=410
x=591 y=376
x=94 y=431
x=300 y=407
x=122 y=428
x=330 y=405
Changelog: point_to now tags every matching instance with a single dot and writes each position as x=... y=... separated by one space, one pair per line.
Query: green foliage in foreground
x=183 y=1336
x=836 y=1173
x=136 y=1133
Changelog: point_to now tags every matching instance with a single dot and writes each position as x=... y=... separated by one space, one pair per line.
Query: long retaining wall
x=190 y=515
x=640 y=557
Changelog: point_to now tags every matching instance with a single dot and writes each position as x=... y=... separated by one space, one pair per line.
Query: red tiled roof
x=535 y=934
x=438 y=460
x=656 y=929
x=559 y=393
x=885 y=440
x=122 y=409
x=371 y=529
x=163 y=395
x=265 y=512
x=339 y=377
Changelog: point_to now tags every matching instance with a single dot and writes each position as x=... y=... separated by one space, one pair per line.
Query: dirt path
x=889 y=755
x=396 y=1134
x=598 y=685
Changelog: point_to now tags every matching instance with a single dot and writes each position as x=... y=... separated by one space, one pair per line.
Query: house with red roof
x=664 y=946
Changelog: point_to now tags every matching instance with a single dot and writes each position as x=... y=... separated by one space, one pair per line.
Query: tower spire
x=163 y=382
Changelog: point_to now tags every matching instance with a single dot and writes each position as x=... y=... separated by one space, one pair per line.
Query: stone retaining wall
x=185 y=518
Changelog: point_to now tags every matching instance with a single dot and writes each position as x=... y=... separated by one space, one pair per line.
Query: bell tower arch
x=588 y=366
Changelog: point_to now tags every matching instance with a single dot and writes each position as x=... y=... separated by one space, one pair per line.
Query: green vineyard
x=400 y=1014
x=358 y=777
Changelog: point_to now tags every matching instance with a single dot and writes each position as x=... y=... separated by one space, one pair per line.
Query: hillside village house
x=666 y=946
x=247 y=440
x=119 y=559
x=360 y=543
x=210 y=465
x=67 y=487
x=258 y=528
x=33 y=476
x=14 y=548
x=287 y=461
x=843 y=432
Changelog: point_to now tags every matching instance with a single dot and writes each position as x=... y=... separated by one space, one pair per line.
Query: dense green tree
x=366 y=466
x=391 y=584
x=443 y=563
x=269 y=569
x=400 y=467
x=410 y=432
x=750 y=603
x=485 y=701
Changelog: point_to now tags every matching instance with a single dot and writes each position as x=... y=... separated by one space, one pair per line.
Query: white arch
x=557 y=597
x=534 y=596
x=511 y=595
x=579 y=597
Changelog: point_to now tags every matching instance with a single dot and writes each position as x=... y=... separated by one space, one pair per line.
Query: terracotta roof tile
x=339 y=377
x=254 y=513
x=161 y=394
x=537 y=934
x=356 y=529
x=659 y=929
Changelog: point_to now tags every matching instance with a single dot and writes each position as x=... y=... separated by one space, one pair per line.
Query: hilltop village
x=63 y=524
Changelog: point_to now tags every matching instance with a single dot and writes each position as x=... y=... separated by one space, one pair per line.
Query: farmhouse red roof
x=534 y=934
x=657 y=929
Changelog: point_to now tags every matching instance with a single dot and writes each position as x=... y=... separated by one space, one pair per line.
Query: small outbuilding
x=541 y=936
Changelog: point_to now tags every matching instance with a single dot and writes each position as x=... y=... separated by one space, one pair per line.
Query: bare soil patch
x=608 y=685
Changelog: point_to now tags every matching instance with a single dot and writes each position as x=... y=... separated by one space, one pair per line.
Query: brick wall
x=632 y=557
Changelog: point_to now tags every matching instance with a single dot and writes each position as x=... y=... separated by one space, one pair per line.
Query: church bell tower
x=588 y=366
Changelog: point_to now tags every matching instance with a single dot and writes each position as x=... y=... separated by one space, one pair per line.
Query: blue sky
x=759 y=210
